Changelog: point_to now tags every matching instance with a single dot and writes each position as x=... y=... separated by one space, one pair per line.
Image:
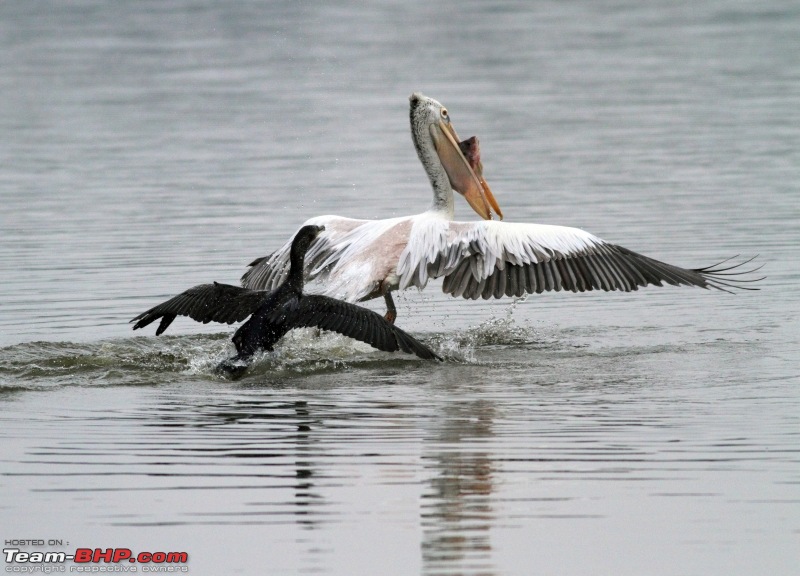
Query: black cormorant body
x=273 y=313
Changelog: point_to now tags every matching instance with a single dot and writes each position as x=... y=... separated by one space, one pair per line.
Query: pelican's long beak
x=463 y=178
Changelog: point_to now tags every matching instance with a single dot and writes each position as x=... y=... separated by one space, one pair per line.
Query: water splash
x=130 y=361
x=149 y=360
x=496 y=331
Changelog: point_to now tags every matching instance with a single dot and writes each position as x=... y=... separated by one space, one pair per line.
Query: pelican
x=273 y=313
x=358 y=260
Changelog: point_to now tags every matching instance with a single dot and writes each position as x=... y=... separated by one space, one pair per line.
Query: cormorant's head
x=303 y=238
x=311 y=230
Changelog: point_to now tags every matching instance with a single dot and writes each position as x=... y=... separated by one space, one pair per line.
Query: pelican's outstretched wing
x=494 y=259
x=205 y=303
x=352 y=258
x=351 y=321
x=269 y=272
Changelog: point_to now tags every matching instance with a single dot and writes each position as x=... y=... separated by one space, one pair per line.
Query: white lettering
x=33 y=569
x=9 y=552
x=113 y=568
x=55 y=557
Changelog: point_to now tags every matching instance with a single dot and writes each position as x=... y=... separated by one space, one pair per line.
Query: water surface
x=150 y=147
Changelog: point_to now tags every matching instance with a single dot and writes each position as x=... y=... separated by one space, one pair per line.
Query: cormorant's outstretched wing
x=354 y=322
x=205 y=303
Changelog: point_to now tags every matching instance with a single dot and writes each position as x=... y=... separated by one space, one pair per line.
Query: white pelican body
x=363 y=259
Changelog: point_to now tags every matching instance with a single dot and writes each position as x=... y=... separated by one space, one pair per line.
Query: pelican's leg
x=391 y=311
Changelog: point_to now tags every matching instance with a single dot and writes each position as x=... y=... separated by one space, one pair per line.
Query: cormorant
x=273 y=313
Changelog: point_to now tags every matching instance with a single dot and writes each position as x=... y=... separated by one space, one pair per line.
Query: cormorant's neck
x=297 y=261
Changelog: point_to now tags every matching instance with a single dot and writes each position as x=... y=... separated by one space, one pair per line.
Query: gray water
x=146 y=147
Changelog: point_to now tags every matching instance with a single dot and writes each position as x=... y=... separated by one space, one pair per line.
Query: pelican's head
x=430 y=124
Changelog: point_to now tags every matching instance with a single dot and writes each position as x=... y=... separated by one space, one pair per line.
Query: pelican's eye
x=444 y=114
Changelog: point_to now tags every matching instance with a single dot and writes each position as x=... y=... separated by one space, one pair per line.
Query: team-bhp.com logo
x=95 y=560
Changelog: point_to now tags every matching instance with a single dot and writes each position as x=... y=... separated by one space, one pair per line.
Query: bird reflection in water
x=266 y=437
x=457 y=510
x=304 y=494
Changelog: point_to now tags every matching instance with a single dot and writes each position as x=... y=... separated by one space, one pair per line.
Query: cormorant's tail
x=233 y=367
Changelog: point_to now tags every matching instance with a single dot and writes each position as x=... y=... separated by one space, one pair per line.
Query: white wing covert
x=269 y=272
x=494 y=259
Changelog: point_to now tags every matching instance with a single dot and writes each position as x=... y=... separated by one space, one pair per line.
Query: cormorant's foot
x=232 y=368
x=390 y=316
